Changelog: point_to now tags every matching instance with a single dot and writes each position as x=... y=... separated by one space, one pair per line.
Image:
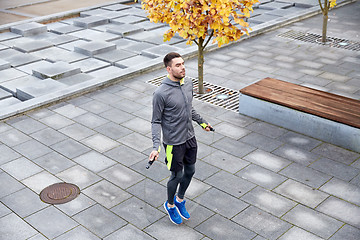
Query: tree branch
x=322 y=9
x=211 y=34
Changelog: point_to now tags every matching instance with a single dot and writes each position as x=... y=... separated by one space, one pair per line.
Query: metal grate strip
x=219 y=96
x=315 y=38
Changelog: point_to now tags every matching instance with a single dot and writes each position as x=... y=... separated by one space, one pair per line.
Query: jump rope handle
x=212 y=129
x=150 y=163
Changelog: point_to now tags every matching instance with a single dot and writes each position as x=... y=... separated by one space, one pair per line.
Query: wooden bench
x=326 y=116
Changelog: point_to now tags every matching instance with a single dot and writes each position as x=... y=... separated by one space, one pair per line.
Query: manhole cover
x=59 y=193
x=220 y=96
x=314 y=38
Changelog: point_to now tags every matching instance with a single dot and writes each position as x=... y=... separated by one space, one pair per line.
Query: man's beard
x=179 y=76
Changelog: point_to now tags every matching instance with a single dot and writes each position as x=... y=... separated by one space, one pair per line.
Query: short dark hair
x=169 y=57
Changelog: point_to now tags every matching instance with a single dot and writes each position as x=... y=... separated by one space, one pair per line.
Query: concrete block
x=75 y=79
x=71 y=45
x=128 y=20
x=92 y=48
x=133 y=61
x=89 y=65
x=54 y=38
x=8 y=36
x=116 y=7
x=124 y=29
x=147 y=25
x=29 y=67
x=56 y=70
x=66 y=29
x=107 y=73
x=56 y=54
x=112 y=14
x=38 y=89
x=308 y=124
x=159 y=51
x=97 y=11
x=32 y=46
x=9 y=74
x=90 y=21
x=275 y=5
x=115 y=55
x=135 y=11
x=20 y=59
x=137 y=48
x=11 y=85
x=29 y=29
x=3 y=47
x=4 y=94
x=4 y=64
x=93 y=35
x=7 y=102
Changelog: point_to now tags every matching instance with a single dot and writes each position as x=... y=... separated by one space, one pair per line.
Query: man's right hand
x=153 y=155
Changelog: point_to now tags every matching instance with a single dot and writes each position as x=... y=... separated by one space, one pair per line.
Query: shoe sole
x=170 y=217
x=181 y=214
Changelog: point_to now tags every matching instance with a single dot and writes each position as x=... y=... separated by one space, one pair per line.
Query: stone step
x=32 y=46
x=90 y=21
x=29 y=29
x=38 y=89
x=56 y=71
x=94 y=47
x=124 y=29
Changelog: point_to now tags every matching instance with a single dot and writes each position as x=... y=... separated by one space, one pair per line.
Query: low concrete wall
x=308 y=124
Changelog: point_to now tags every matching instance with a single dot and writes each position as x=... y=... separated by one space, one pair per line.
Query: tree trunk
x=201 y=66
x=324 y=29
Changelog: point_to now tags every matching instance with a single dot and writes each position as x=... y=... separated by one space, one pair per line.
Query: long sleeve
x=158 y=107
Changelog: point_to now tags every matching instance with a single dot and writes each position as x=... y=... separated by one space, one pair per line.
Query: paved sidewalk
x=254 y=180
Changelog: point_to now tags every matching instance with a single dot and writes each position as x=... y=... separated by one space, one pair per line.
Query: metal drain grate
x=316 y=38
x=217 y=95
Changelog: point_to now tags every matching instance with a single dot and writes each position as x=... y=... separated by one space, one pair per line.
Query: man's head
x=175 y=66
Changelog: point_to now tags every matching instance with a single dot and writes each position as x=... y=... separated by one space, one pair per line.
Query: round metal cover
x=59 y=193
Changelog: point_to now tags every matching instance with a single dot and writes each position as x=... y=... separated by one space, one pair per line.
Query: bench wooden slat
x=316 y=102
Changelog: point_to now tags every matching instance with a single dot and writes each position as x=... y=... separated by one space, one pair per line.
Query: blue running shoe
x=173 y=214
x=182 y=210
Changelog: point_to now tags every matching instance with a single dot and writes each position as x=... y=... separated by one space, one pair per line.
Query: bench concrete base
x=326 y=130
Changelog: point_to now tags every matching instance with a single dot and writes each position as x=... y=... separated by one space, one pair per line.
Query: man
x=173 y=114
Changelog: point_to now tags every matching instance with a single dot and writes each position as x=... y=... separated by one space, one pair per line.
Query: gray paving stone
x=29 y=29
x=80 y=203
x=21 y=168
x=66 y=29
x=56 y=121
x=5 y=94
x=54 y=162
x=127 y=232
x=121 y=176
x=56 y=71
x=305 y=175
x=111 y=15
x=43 y=221
x=335 y=169
x=341 y=210
x=336 y=153
x=93 y=35
x=159 y=51
x=346 y=232
x=99 y=220
x=136 y=141
x=94 y=161
x=14 y=228
x=10 y=186
x=9 y=74
x=79 y=176
x=125 y=155
x=149 y=191
x=218 y=227
x=19 y=59
x=32 y=46
x=268 y=201
x=75 y=79
x=70 y=148
x=13 y=137
x=100 y=143
x=94 y=47
x=106 y=194
x=77 y=131
x=137 y=11
x=221 y=203
x=133 y=61
x=70 y=111
x=97 y=107
x=88 y=65
x=301 y=193
x=262 y=142
x=90 y=21
x=4 y=64
x=4 y=210
x=28 y=125
x=343 y=190
x=137 y=212
x=296 y=154
x=299 y=140
x=57 y=54
x=233 y=147
x=115 y=55
x=91 y=12
x=124 y=29
x=261 y=176
x=54 y=38
x=7 y=154
x=90 y=120
x=116 y=7
x=299 y=234
x=230 y=184
x=266 y=129
x=24 y=202
x=313 y=221
x=267 y=160
x=262 y=223
x=8 y=36
x=128 y=20
x=78 y=233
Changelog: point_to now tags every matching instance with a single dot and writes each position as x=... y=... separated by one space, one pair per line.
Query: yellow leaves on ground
x=193 y=19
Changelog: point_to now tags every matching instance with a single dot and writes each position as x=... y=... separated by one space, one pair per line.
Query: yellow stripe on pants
x=169 y=155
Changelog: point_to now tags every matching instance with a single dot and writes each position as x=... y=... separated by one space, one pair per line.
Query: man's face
x=177 y=68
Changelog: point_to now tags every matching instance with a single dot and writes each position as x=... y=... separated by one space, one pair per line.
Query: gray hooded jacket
x=173 y=113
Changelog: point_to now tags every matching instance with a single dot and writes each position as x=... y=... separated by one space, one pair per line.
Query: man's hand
x=153 y=155
x=209 y=128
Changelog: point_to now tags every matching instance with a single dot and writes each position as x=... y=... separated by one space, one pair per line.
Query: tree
x=325 y=7
x=200 y=20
